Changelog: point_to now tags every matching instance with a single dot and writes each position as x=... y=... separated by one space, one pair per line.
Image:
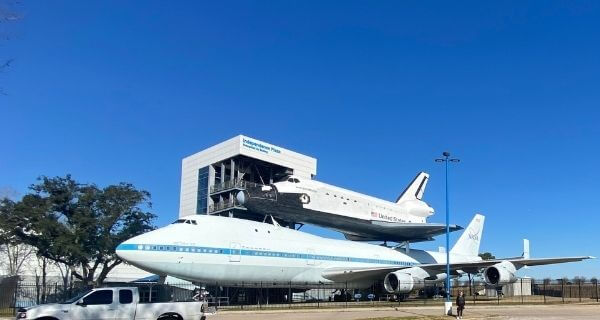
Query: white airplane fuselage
x=213 y=249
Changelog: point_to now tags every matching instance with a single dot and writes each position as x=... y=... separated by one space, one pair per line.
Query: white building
x=211 y=178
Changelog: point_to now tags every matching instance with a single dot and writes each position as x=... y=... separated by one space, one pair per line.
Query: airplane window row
x=277 y=254
x=272 y=254
x=180 y=249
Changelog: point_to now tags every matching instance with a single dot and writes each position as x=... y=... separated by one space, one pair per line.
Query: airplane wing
x=397 y=232
x=356 y=274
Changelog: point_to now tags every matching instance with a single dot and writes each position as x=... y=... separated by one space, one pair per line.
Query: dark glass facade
x=202 y=205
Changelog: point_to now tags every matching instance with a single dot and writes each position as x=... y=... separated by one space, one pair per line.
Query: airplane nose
x=127 y=250
x=132 y=250
x=137 y=250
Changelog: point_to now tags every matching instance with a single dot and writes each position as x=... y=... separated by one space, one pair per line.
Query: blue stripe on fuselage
x=257 y=253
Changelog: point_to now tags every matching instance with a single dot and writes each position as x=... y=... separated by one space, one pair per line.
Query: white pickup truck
x=119 y=303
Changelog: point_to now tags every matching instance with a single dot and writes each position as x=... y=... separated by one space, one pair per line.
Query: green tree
x=487 y=256
x=80 y=225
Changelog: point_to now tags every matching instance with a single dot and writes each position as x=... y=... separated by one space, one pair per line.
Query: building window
x=202 y=204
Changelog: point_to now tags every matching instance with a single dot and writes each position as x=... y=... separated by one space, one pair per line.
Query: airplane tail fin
x=468 y=243
x=525 y=254
x=415 y=189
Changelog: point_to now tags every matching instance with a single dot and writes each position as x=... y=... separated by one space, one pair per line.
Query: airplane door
x=310 y=257
x=235 y=252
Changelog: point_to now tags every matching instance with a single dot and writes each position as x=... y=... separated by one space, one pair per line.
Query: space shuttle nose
x=241 y=197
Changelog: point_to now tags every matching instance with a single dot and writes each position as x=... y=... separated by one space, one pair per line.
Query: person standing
x=460 y=305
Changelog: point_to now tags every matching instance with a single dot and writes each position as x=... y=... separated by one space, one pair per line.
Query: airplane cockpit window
x=290 y=180
x=194 y=222
x=179 y=221
x=188 y=222
x=296 y=180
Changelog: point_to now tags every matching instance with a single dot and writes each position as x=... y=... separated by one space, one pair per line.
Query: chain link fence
x=258 y=296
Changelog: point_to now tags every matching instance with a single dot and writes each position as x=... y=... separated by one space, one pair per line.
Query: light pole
x=446 y=159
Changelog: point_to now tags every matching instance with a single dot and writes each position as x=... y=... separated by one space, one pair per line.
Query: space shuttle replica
x=358 y=216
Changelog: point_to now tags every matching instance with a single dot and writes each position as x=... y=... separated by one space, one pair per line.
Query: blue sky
x=114 y=91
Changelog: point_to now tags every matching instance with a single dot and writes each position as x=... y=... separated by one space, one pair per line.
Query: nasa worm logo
x=473 y=234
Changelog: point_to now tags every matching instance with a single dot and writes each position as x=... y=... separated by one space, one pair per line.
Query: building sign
x=260 y=147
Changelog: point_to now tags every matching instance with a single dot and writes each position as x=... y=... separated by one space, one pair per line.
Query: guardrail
x=219 y=206
x=235 y=184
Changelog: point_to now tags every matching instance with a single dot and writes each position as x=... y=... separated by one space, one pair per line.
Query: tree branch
x=106 y=268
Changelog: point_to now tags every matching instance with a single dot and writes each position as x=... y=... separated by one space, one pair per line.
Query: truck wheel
x=170 y=316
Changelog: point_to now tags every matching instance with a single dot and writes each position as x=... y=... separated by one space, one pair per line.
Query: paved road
x=572 y=311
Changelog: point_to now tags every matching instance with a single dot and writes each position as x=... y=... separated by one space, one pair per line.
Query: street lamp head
x=440 y=160
x=454 y=160
x=446 y=154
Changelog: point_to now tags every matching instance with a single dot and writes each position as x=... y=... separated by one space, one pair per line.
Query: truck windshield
x=75 y=298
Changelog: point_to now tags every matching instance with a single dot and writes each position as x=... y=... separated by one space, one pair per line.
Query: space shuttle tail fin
x=415 y=189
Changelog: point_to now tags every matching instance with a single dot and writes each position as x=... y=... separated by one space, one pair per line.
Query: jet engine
x=401 y=282
x=500 y=273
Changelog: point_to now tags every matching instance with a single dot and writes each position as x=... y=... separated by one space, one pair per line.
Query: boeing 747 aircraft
x=230 y=251
x=358 y=216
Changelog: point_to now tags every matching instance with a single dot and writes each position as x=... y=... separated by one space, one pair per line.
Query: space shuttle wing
x=357 y=274
x=398 y=231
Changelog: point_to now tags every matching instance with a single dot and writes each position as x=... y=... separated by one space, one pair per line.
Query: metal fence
x=253 y=296
x=341 y=295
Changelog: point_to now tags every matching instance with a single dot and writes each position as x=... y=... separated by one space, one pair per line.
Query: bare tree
x=66 y=275
x=13 y=254
x=579 y=280
x=8 y=15
x=40 y=280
